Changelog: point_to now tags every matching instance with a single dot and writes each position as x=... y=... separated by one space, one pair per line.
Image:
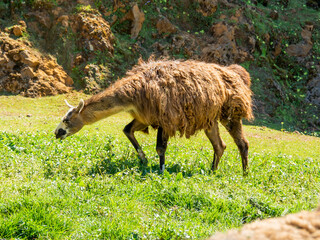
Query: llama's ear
x=68 y=104
x=80 y=106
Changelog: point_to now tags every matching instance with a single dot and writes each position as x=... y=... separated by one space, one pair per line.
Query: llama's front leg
x=129 y=130
x=162 y=142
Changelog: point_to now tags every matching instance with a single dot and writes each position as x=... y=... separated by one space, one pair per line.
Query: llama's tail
x=242 y=72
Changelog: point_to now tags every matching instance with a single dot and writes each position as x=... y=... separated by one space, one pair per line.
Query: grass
x=91 y=186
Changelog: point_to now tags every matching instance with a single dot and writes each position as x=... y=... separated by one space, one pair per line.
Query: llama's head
x=71 y=123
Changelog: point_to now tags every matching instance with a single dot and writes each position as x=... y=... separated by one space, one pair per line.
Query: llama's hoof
x=142 y=157
x=144 y=161
x=245 y=172
x=162 y=168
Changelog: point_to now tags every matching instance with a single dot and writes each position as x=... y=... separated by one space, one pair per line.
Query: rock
x=299 y=50
x=137 y=17
x=207 y=7
x=21 y=71
x=13 y=52
x=3 y=60
x=6 y=47
x=306 y=35
x=223 y=48
x=94 y=34
x=16 y=57
x=313 y=92
x=78 y=60
x=42 y=17
x=165 y=26
x=303 y=48
x=277 y=49
x=10 y=65
x=17 y=30
x=85 y=2
x=117 y=4
x=114 y=19
x=64 y=20
x=57 y=11
x=27 y=72
x=29 y=59
x=23 y=24
x=219 y=29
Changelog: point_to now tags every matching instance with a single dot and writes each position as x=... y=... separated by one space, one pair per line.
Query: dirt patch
x=24 y=70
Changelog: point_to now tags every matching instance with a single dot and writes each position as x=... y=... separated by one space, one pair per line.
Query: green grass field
x=91 y=186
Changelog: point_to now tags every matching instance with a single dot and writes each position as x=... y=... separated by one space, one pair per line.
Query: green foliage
x=85 y=8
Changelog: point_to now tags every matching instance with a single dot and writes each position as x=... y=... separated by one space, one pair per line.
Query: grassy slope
x=91 y=185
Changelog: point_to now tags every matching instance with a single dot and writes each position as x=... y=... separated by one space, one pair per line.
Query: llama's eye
x=66 y=121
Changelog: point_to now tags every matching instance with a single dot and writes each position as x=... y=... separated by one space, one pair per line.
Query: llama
x=173 y=96
x=299 y=226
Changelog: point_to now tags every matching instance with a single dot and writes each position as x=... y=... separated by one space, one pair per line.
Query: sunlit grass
x=91 y=185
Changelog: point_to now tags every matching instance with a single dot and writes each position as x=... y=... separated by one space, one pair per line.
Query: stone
x=57 y=11
x=17 y=30
x=93 y=32
x=21 y=71
x=22 y=24
x=3 y=60
x=64 y=20
x=27 y=72
x=137 y=17
x=165 y=26
x=207 y=7
x=219 y=29
x=299 y=50
x=313 y=92
x=16 y=57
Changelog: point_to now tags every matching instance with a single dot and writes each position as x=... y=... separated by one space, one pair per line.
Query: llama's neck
x=103 y=105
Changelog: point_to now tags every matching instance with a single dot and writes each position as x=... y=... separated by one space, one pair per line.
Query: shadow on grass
x=113 y=166
x=4 y=93
x=281 y=125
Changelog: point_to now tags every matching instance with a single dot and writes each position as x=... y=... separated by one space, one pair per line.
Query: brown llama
x=299 y=226
x=171 y=96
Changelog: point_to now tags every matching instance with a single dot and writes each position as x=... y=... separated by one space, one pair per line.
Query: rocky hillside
x=52 y=46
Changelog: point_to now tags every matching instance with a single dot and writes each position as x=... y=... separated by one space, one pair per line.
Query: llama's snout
x=61 y=133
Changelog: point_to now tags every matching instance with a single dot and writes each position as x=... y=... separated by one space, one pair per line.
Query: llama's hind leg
x=129 y=130
x=218 y=144
x=234 y=127
x=162 y=142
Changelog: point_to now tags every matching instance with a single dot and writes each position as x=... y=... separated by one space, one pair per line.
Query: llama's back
x=182 y=96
